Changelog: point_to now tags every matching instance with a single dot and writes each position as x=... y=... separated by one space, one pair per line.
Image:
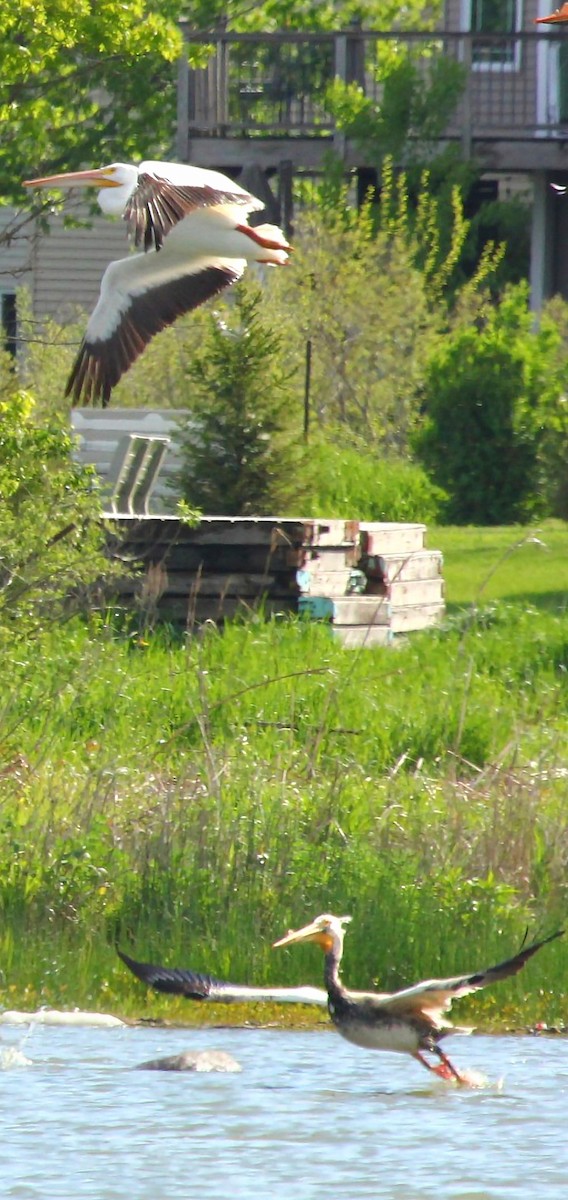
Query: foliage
x=241 y=441
x=275 y=15
x=259 y=789
x=492 y=397
x=47 y=352
x=419 y=88
x=52 y=543
x=82 y=82
x=86 y=81
x=157 y=379
x=369 y=352
x=350 y=479
x=504 y=222
x=553 y=408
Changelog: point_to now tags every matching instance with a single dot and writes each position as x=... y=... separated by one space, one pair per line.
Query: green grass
x=192 y=800
x=508 y=562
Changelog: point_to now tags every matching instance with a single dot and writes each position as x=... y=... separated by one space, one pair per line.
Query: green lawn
x=511 y=562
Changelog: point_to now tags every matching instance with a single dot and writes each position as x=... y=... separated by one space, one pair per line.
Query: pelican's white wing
x=433 y=997
x=168 y=192
x=195 y=986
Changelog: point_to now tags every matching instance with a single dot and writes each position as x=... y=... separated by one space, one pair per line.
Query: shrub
x=486 y=397
x=50 y=534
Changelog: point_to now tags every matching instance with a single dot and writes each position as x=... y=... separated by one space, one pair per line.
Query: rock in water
x=193 y=1060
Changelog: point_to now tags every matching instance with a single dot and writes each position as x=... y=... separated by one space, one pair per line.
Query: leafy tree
x=51 y=537
x=274 y=15
x=371 y=303
x=418 y=88
x=241 y=442
x=552 y=418
x=82 y=81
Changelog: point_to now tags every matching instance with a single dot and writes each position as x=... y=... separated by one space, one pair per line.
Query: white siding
x=68 y=264
x=15 y=250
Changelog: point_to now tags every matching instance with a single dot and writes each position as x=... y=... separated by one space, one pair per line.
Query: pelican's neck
x=332 y=963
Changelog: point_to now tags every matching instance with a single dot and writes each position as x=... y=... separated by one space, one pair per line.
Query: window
x=493 y=17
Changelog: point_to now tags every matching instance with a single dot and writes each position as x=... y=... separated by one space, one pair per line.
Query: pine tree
x=241 y=440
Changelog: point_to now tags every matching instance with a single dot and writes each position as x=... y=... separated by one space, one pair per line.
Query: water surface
x=309 y=1118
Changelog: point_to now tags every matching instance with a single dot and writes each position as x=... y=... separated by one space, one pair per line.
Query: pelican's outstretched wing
x=140 y=295
x=433 y=997
x=158 y=203
x=195 y=986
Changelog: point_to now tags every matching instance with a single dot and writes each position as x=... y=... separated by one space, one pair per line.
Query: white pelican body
x=192 y=225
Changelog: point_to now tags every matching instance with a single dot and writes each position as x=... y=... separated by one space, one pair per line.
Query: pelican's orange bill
x=555 y=18
x=98 y=177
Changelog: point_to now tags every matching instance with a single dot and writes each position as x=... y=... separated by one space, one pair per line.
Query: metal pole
x=307 y=381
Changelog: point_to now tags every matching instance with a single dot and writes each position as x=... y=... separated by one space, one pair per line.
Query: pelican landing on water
x=196 y=241
x=410 y=1021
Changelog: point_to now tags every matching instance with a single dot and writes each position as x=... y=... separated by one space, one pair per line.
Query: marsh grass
x=192 y=799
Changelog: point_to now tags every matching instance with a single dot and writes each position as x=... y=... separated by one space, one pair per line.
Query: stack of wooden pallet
x=229 y=565
x=368 y=581
x=399 y=588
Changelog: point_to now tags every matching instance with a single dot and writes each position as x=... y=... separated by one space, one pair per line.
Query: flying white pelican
x=193 y=227
x=194 y=986
x=410 y=1021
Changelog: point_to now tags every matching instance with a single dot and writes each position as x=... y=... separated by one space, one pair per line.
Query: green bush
x=489 y=398
x=51 y=538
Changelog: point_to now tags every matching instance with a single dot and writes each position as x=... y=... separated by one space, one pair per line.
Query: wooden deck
x=261 y=98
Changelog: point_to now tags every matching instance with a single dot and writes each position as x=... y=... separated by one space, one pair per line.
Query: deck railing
x=267 y=85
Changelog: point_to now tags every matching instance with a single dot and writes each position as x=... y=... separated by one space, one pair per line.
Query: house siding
x=68 y=264
x=16 y=251
x=457 y=14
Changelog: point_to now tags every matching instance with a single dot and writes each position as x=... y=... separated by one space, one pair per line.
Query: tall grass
x=349 y=479
x=192 y=799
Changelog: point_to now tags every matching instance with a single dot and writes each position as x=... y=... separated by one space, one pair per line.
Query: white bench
x=133 y=472
x=136 y=456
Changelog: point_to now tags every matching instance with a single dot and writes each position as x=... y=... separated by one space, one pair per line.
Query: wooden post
x=285 y=195
x=222 y=97
x=182 y=121
x=467 y=59
x=340 y=44
x=544 y=254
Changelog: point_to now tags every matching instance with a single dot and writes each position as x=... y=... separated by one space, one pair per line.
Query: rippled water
x=309 y=1118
